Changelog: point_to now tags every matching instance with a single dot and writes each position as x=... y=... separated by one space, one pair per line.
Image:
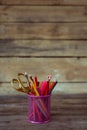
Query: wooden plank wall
x=44 y=37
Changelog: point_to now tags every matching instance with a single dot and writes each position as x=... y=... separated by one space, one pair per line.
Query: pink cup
x=38 y=109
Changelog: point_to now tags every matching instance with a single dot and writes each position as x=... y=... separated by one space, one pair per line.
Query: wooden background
x=44 y=37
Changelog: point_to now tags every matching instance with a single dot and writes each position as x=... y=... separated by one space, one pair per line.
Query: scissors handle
x=21 y=86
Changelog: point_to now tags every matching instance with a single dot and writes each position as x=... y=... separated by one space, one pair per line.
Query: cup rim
x=40 y=96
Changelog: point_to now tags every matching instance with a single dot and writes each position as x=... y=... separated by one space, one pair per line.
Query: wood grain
x=64 y=69
x=43 y=31
x=67 y=112
x=43 y=2
x=43 y=14
x=43 y=48
x=60 y=88
x=43 y=37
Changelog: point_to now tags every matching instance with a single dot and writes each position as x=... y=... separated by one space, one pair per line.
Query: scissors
x=20 y=84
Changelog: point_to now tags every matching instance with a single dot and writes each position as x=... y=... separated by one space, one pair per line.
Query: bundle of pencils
x=40 y=88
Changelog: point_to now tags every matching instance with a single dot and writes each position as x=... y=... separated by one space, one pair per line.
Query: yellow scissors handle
x=21 y=83
x=16 y=81
x=21 y=86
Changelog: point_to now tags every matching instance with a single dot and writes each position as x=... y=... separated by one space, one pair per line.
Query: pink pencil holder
x=39 y=109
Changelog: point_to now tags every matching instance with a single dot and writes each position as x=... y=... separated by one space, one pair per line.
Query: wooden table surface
x=68 y=112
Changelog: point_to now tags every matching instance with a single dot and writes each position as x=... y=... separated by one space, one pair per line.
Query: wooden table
x=68 y=112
